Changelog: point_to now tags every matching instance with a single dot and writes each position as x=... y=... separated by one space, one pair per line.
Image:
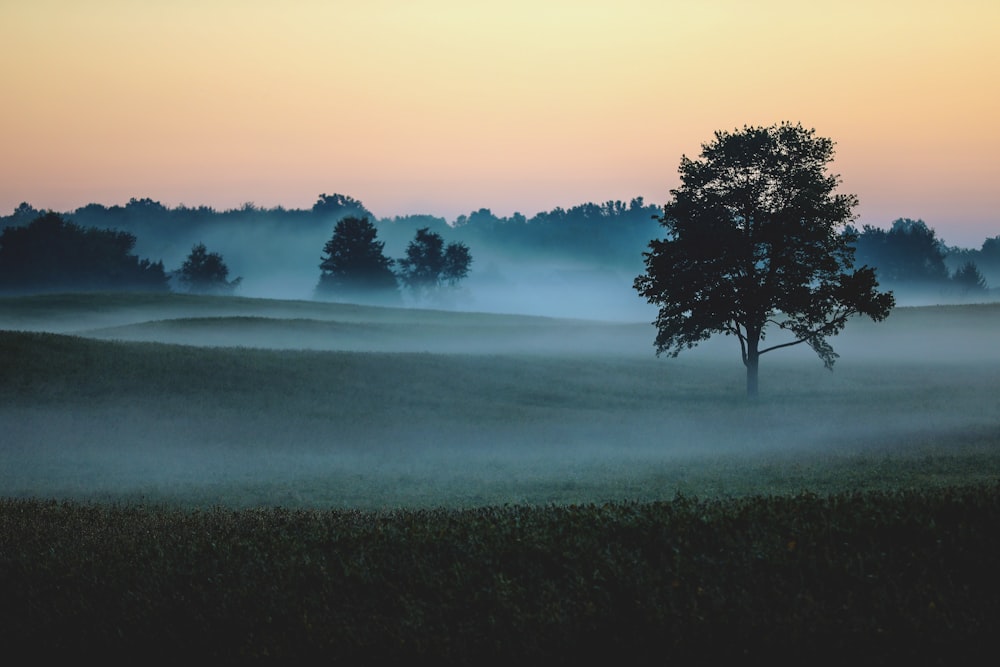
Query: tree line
x=908 y=256
x=51 y=253
x=611 y=233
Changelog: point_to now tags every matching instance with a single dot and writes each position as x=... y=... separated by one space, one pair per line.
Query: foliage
x=337 y=206
x=870 y=578
x=429 y=265
x=457 y=260
x=606 y=234
x=908 y=253
x=23 y=215
x=205 y=272
x=354 y=266
x=969 y=280
x=52 y=254
x=990 y=252
x=753 y=239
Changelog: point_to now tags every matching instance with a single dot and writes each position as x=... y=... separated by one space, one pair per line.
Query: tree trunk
x=752 y=364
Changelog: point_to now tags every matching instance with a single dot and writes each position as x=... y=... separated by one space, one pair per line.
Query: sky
x=447 y=106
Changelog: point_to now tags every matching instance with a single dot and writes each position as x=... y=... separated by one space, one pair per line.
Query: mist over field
x=257 y=401
x=548 y=281
x=283 y=263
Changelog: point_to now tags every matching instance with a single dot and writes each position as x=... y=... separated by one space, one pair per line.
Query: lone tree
x=754 y=238
x=429 y=264
x=205 y=272
x=354 y=266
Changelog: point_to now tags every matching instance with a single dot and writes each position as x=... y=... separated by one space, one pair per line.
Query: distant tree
x=457 y=261
x=23 y=215
x=423 y=265
x=969 y=280
x=991 y=248
x=429 y=265
x=145 y=205
x=337 y=206
x=205 y=272
x=52 y=254
x=988 y=258
x=908 y=253
x=753 y=240
x=354 y=266
x=483 y=220
x=604 y=235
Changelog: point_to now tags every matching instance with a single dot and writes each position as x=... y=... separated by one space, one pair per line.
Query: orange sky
x=447 y=106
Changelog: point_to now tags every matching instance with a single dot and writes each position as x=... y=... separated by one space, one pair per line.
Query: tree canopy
x=339 y=206
x=429 y=264
x=205 y=272
x=354 y=266
x=969 y=280
x=50 y=254
x=755 y=239
x=908 y=253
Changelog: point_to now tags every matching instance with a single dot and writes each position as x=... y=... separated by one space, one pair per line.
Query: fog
x=381 y=407
x=280 y=261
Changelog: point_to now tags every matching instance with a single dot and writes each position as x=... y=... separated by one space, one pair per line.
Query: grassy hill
x=276 y=324
x=342 y=405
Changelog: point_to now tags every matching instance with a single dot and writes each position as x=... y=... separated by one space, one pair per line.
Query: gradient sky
x=446 y=106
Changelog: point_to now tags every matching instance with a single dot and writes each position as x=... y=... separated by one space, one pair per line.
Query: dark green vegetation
x=914 y=262
x=581 y=259
x=429 y=265
x=355 y=269
x=375 y=483
x=205 y=272
x=874 y=578
x=612 y=232
x=51 y=254
x=753 y=240
x=354 y=264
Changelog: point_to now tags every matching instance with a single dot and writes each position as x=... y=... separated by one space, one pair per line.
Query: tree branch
x=824 y=330
x=778 y=347
x=735 y=328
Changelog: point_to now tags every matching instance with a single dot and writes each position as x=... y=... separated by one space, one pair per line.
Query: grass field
x=233 y=479
x=247 y=402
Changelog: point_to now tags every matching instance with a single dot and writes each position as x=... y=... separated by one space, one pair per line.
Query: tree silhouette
x=355 y=267
x=205 y=272
x=52 y=254
x=969 y=280
x=753 y=240
x=457 y=260
x=429 y=265
x=908 y=253
x=24 y=214
x=337 y=206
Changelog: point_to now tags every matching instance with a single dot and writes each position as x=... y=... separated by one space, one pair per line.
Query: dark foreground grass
x=860 y=578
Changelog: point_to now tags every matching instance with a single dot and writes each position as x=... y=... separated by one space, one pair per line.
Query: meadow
x=558 y=461
x=247 y=402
